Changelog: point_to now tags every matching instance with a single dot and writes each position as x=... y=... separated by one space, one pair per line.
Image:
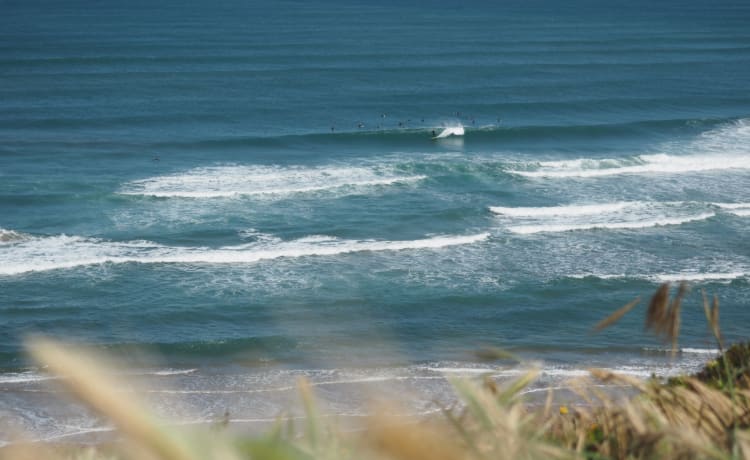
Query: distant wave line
x=572 y=210
x=562 y=227
x=669 y=277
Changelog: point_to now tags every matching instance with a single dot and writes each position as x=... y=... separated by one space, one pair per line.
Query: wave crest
x=62 y=252
x=620 y=215
x=738 y=209
x=716 y=150
x=10 y=236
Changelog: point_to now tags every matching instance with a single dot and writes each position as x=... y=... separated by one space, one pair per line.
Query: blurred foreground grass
x=702 y=416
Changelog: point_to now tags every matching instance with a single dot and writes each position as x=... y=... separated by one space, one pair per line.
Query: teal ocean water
x=250 y=192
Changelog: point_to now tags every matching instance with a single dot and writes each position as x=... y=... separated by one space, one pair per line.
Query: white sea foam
x=580 y=210
x=641 y=164
x=233 y=181
x=668 y=277
x=724 y=148
x=460 y=370
x=169 y=372
x=61 y=252
x=23 y=377
x=741 y=212
x=596 y=275
x=738 y=209
x=701 y=351
x=692 y=276
x=620 y=215
x=529 y=229
x=732 y=205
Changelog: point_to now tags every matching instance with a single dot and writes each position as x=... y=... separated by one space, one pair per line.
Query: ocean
x=230 y=196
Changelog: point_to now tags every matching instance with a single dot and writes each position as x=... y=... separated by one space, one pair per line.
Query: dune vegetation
x=703 y=416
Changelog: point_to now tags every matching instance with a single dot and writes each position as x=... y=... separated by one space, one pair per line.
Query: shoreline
x=255 y=398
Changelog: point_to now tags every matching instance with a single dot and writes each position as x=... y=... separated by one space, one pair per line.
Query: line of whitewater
x=723 y=277
x=268 y=181
x=616 y=215
x=720 y=149
x=639 y=165
x=269 y=192
x=571 y=210
x=648 y=223
x=65 y=252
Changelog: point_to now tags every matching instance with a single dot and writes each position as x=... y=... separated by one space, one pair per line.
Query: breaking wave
x=689 y=276
x=233 y=181
x=724 y=148
x=63 y=252
x=9 y=236
x=738 y=209
x=620 y=215
x=642 y=164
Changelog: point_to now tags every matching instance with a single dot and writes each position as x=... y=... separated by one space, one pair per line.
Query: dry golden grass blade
x=706 y=307
x=715 y=328
x=83 y=377
x=657 y=309
x=412 y=441
x=687 y=443
x=712 y=318
x=614 y=317
x=580 y=442
x=312 y=427
x=636 y=419
x=673 y=331
x=682 y=290
x=723 y=407
x=548 y=404
x=673 y=325
x=511 y=391
x=608 y=376
x=579 y=386
x=602 y=398
x=743 y=444
x=28 y=451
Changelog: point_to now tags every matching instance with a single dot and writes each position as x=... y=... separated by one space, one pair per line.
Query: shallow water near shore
x=250 y=194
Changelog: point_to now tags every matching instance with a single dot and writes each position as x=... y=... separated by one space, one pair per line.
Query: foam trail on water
x=62 y=252
x=233 y=181
x=619 y=215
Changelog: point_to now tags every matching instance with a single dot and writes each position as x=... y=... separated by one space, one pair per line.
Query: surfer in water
x=433 y=133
